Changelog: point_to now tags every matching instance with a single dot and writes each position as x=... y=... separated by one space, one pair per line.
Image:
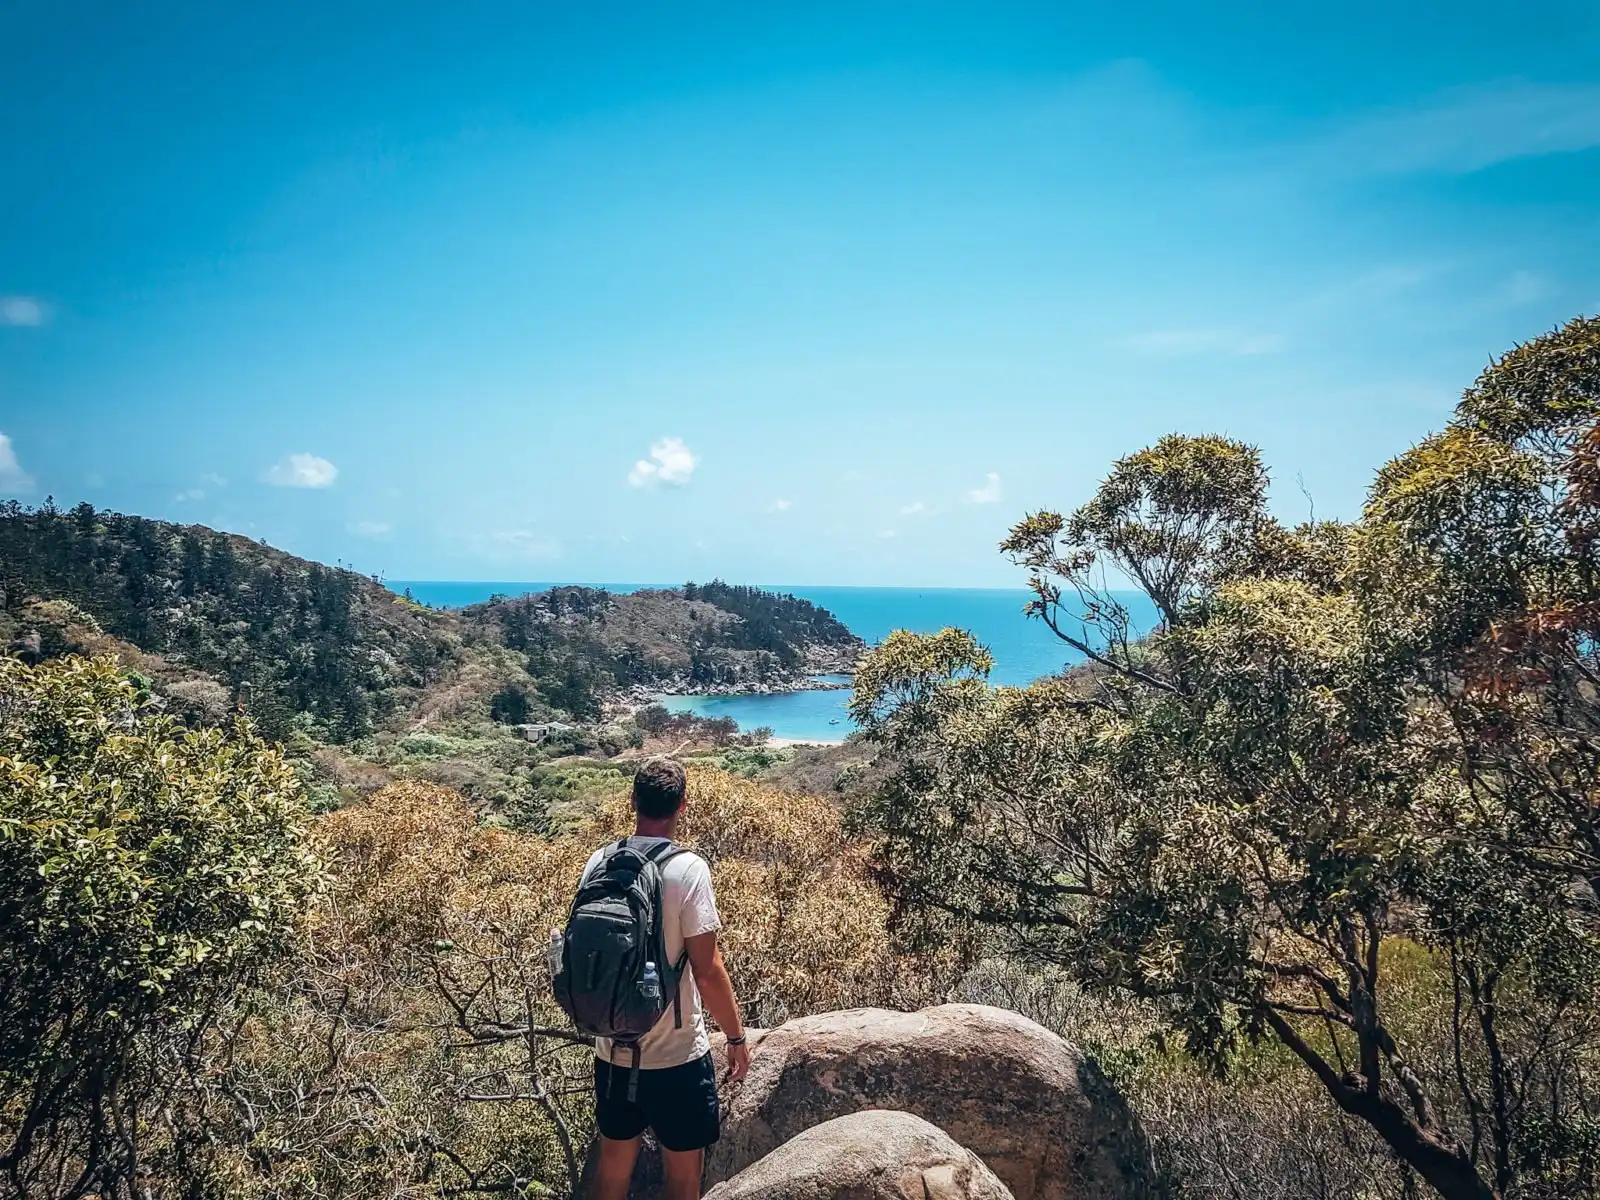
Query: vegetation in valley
x=347 y=1005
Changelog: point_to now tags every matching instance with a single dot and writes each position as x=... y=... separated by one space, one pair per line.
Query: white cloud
x=886 y=533
x=303 y=471
x=12 y=477
x=989 y=493
x=212 y=479
x=670 y=461
x=373 y=529
x=191 y=494
x=913 y=509
x=23 y=310
x=1466 y=129
x=780 y=505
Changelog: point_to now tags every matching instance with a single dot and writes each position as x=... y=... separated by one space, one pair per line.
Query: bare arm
x=716 y=989
x=711 y=977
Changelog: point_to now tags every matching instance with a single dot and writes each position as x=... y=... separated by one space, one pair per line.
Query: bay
x=1024 y=649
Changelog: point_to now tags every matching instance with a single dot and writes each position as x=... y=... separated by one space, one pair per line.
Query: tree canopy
x=148 y=873
x=1341 y=799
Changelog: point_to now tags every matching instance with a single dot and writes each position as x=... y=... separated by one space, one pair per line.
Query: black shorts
x=678 y=1103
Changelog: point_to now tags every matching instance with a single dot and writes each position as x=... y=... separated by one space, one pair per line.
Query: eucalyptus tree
x=1308 y=806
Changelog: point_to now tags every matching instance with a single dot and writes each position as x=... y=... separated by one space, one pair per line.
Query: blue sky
x=803 y=293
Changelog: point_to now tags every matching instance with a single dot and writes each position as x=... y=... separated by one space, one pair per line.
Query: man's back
x=674 y=1091
x=688 y=909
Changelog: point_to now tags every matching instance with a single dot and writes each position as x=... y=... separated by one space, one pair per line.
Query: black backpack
x=614 y=930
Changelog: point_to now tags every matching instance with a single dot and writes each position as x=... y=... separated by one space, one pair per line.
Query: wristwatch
x=736 y=1041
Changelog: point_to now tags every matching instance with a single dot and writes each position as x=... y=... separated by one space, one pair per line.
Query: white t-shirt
x=688 y=909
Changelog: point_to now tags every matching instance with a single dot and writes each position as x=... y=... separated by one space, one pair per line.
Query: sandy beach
x=781 y=743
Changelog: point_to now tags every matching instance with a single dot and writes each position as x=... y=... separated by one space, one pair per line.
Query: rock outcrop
x=1034 y=1109
x=867 y=1156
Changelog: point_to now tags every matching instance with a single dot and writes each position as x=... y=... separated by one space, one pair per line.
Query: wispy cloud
x=1254 y=344
x=302 y=471
x=1377 y=284
x=13 y=479
x=1527 y=287
x=1467 y=129
x=886 y=533
x=670 y=461
x=913 y=509
x=371 y=529
x=516 y=545
x=780 y=505
x=989 y=493
x=1203 y=341
x=23 y=310
x=209 y=482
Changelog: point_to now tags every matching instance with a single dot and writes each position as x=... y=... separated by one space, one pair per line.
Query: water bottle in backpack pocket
x=611 y=974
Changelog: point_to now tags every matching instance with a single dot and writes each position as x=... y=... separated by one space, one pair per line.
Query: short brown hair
x=658 y=787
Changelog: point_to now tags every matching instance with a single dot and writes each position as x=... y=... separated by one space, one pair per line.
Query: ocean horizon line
x=635 y=585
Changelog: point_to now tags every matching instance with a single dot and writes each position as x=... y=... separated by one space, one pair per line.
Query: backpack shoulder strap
x=608 y=852
x=664 y=853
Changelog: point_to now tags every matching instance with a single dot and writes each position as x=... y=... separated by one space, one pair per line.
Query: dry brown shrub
x=804 y=928
x=420 y=1021
x=347 y=772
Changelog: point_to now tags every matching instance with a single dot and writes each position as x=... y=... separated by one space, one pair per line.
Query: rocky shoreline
x=641 y=694
x=819 y=661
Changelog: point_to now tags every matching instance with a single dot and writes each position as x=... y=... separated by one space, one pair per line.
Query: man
x=676 y=1094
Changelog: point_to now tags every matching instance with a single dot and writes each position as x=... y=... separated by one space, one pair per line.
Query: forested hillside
x=699 y=636
x=337 y=655
x=330 y=644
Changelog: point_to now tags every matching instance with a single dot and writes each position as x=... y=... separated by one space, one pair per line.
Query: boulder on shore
x=877 y=1155
x=1036 y=1110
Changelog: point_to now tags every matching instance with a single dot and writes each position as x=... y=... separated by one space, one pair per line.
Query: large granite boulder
x=866 y=1156
x=1034 y=1109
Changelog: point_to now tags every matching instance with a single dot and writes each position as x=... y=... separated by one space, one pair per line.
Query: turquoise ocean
x=1023 y=649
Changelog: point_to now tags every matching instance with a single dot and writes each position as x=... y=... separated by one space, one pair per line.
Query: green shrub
x=147 y=874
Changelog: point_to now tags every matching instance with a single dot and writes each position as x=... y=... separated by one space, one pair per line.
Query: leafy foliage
x=1341 y=800
x=148 y=874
